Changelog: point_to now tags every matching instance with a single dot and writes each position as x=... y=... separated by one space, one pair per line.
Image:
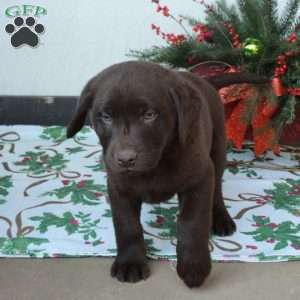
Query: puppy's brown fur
x=162 y=134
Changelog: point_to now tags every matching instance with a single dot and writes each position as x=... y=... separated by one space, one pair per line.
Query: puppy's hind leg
x=222 y=224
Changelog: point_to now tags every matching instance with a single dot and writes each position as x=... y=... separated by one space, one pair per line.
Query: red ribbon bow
x=280 y=90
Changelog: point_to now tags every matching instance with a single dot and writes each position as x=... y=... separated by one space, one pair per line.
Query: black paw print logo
x=24 y=32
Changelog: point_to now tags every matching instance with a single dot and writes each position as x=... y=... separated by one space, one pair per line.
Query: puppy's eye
x=150 y=115
x=106 y=118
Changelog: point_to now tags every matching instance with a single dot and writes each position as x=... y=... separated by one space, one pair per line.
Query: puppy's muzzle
x=126 y=158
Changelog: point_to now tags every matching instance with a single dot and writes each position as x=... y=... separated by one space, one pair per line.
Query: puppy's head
x=137 y=109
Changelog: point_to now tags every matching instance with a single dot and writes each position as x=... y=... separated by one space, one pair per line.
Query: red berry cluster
x=235 y=38
x=282 y=59
x=174 y=39
x=293 y=38
x=203 y=33
x=282 y=64
x=164 y=9
x=155 y=28
x=171 y=38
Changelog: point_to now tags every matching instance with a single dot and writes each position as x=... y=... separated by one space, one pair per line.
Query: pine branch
x=174 y=55
x=296 y=26
x=253 y=19
x=229 y=14
x=288 y=19
x=269 y=7
x=191 y=20
x=206 y=53
x=250 y=18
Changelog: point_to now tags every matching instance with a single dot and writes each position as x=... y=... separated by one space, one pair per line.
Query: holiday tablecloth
x=53 y=201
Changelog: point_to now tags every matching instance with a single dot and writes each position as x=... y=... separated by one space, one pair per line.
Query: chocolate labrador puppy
x=162 y=133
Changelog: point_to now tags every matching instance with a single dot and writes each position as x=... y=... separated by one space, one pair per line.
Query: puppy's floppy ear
x=84 y=104
x=187 y=104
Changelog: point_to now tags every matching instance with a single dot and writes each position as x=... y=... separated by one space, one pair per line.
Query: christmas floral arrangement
x=249 y=36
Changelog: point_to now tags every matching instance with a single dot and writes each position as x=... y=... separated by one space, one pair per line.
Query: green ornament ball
x=252 y=48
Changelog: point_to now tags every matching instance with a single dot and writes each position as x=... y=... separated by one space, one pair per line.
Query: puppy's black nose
x=126 y=158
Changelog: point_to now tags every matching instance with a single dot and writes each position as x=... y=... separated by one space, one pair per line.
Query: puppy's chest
x=155 y=196
x=162 y=188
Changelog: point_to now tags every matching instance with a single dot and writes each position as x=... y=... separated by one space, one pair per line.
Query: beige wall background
x=81 y=38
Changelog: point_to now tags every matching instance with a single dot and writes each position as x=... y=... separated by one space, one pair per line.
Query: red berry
x=272 y=225
x=208 y=36
x=73 y=222
x=166 y=11
x=81 y=184
x=271 y=241
x=251 y=247
x=190 y=60
x=295 y=246
x=160 y=220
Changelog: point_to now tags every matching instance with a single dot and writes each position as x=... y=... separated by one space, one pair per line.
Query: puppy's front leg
x=194 y=223
x=130 y=264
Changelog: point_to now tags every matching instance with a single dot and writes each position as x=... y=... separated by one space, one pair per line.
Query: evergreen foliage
x=230 y=28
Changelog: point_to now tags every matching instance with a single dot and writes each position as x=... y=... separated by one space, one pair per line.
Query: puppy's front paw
x=223 y=225
x=130 y=271
x=193 y=273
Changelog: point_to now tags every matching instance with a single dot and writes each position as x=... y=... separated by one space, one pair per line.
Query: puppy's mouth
x=130 y=171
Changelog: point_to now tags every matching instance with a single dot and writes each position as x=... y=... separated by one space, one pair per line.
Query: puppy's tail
x=223 y=80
